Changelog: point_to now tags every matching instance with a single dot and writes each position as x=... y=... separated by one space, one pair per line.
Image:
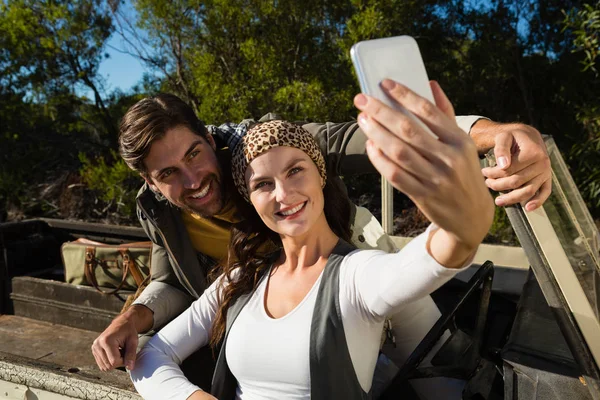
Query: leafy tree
x=49 y=52
x=55 y=47
x=115 y=183
x=506 y=59
x=236 y=59
x=585 y=24
x=511 y=60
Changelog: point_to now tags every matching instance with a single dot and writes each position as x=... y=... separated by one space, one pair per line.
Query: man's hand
x=442 y=177
x=523 y=168
x=121 y=335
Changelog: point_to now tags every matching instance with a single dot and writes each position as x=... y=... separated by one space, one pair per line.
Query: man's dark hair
x=148 y=120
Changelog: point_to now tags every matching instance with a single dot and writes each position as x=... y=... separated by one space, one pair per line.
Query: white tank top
x=269 y=357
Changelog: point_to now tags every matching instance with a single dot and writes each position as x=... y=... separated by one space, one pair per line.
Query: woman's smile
x=292 y=212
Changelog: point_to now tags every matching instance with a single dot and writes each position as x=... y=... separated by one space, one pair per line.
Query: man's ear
x=209 y=138
x=150 y=183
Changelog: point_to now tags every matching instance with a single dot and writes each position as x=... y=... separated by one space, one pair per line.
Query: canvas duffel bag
x=120 y=267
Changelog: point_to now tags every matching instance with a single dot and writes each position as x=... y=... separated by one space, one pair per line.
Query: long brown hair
x=248 y=260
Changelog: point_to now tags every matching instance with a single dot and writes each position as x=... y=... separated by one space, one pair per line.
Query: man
x=185 y=205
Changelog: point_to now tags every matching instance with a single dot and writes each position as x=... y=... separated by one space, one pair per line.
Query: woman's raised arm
x=441 y=176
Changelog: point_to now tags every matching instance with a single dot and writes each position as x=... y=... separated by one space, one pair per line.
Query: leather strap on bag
x=90 y=266
x=130 y=265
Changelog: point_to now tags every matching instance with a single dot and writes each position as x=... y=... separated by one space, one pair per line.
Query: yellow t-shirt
x=211 y=235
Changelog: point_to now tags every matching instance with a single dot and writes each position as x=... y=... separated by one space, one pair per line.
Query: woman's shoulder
x=360 y=256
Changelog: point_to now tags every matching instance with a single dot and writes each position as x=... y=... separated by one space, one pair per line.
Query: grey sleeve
x=165 y=302
x=343 y=144
x=164 y=296
x=162 y=271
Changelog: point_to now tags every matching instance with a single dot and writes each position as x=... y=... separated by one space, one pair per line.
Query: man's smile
x=202 y=193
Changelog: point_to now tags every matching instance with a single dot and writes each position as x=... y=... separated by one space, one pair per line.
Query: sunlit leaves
x=585 y=24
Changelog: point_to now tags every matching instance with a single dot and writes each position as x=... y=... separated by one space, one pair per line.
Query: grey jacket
x=179 y=271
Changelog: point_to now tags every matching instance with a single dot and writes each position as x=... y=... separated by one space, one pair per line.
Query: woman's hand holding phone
x=442 y=177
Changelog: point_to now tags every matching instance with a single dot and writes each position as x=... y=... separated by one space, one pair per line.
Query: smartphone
x=397 y=58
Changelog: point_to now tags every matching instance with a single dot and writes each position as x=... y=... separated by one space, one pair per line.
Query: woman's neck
x=310 y=248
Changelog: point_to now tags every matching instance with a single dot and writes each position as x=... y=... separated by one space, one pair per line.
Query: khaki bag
x=122 y=267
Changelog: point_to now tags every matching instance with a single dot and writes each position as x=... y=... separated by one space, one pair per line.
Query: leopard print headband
x=265 y=136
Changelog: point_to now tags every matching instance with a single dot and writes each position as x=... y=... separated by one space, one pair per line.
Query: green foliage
x=29 y=145
x=115 y=183
x=50 y=44
x=501 y=230
x=585 y=157
x=511 y=60
x=236 y=59
x=50 y=48
x=39 y=148
x=585 y=24
x=50 y=51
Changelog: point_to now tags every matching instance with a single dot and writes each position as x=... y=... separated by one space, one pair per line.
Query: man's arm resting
x=163 y=296
x=157 y=305
x=466 y=122
x=117 y=345
x=484 y=134
x=523 y=172
x=141 y=316
x=344 y=144
x=164 y=301
x=523 y=164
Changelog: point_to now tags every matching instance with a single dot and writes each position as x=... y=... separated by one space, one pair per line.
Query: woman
x=304 y=321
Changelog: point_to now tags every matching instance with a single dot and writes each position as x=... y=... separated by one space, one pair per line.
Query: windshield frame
x=554 y=272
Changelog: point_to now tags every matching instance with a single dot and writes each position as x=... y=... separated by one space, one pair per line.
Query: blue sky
x=120 y=71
